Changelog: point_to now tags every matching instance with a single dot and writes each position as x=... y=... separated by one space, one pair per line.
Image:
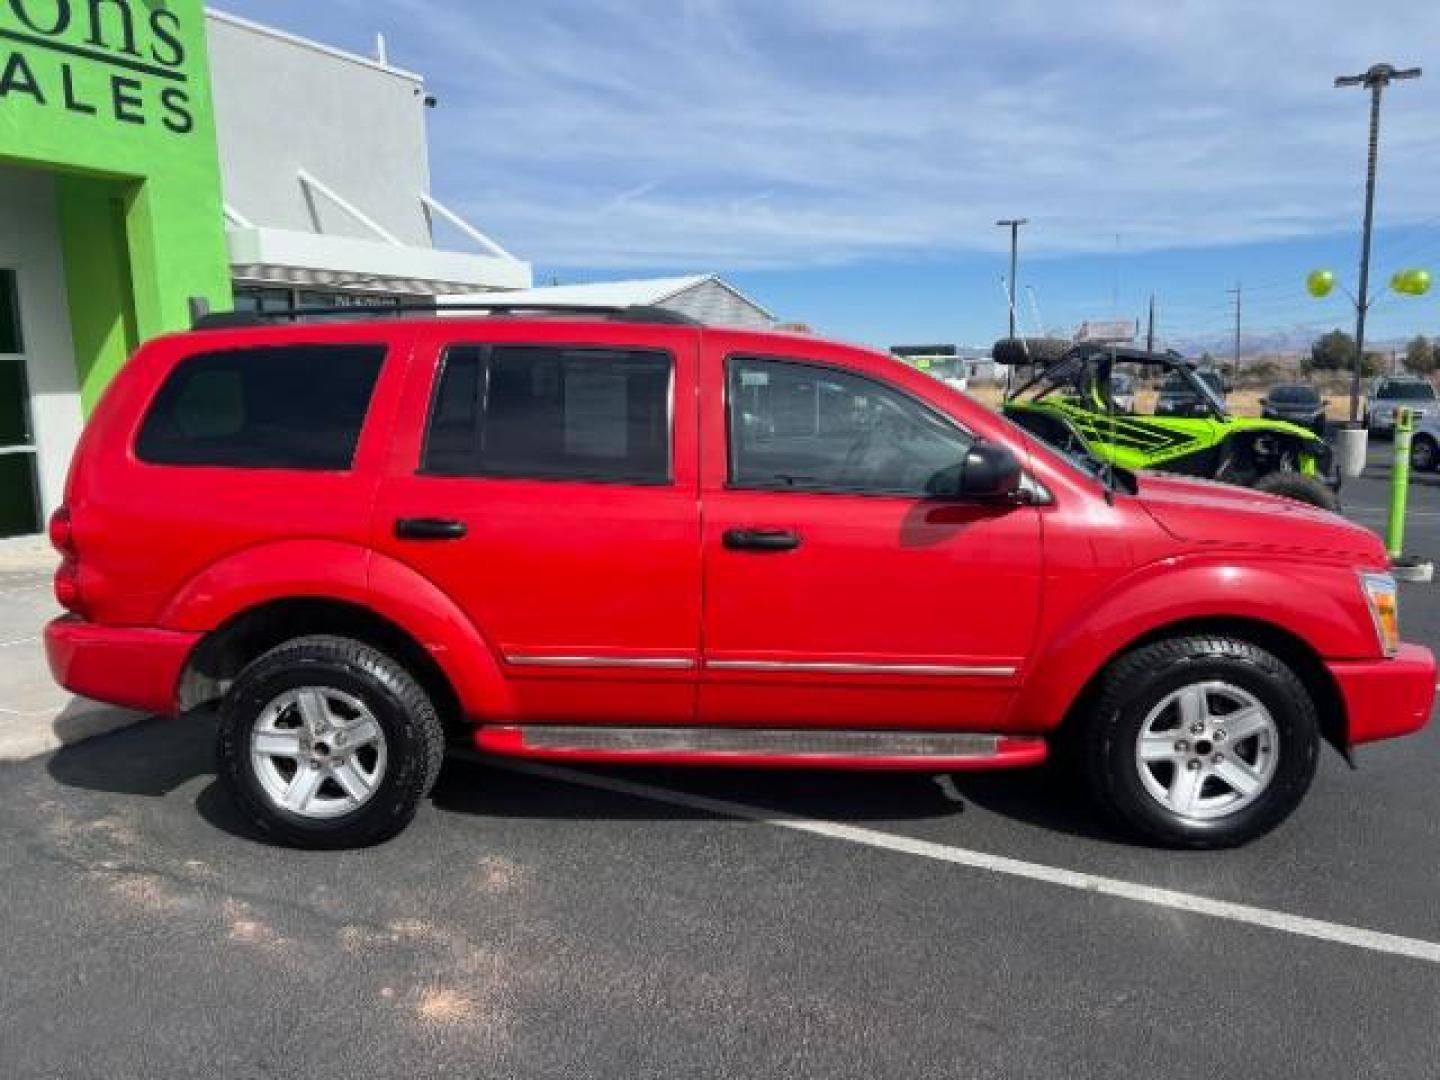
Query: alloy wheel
x=1207 y=750
x=318 y=752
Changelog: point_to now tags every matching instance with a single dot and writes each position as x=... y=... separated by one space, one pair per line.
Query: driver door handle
x=430 y=529
x=761 y=540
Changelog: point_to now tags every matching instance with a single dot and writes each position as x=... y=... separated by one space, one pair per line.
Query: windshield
x=1295 y=395
x=1407 y=391
x=1206 y=384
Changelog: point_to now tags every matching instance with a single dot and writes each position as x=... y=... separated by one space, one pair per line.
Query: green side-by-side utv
x=1063 y=394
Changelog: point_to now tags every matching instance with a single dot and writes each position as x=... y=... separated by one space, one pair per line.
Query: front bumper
x=1385 y=699
x=134 y=668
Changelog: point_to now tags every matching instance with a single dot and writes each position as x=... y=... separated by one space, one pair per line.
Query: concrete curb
x=28 y=555
x=23 y=738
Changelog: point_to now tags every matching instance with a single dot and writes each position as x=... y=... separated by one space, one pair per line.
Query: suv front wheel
x=1201 y=742
x=326 y=742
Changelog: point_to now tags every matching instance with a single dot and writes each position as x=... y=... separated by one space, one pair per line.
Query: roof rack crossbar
x=229 y=320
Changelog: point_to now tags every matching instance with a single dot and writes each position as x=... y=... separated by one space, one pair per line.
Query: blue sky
x=844 y=161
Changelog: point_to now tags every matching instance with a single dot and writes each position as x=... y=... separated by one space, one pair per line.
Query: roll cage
x=1087 y=369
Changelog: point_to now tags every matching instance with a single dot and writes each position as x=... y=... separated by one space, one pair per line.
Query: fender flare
x=1179 y=591
x=354 y=575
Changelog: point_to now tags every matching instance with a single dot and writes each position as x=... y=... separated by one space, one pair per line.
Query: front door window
x=19 y=487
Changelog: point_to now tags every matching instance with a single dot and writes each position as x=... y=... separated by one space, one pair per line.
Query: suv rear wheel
x=326 y=742
x=1201 y=742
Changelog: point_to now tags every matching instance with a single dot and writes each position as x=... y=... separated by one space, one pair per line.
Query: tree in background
x=1421 y=356
x=1335 y=351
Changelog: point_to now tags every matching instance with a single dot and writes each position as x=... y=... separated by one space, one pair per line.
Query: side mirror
x=989 y=473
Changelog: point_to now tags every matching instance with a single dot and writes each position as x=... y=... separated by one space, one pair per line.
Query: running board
x=761 y=747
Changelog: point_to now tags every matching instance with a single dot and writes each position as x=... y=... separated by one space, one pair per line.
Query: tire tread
x=1118 y=688
x=424 y=728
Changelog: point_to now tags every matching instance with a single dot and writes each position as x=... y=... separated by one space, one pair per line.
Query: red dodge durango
x=618 y=536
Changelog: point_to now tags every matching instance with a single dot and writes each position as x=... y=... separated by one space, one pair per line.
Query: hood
x=1207 y=512
x=1427 y=406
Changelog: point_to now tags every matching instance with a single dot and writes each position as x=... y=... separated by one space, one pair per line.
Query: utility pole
x=1375 y=80
x=1238 y=292
x=1150 y=333
x=1013 y=224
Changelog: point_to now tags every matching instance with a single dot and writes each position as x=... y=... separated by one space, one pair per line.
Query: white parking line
x=18 y=641
x=1337 y=933
x=1381 y=511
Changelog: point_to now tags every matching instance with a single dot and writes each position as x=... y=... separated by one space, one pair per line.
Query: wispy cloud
x=749 y=133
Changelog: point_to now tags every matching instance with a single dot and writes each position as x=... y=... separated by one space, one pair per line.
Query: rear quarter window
x=282 y=407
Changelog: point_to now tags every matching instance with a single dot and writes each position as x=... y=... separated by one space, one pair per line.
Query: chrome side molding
x=815 y=667
x=653 y=663
x=838 y=668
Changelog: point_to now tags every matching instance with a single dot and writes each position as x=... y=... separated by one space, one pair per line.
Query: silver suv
x=1391 y=393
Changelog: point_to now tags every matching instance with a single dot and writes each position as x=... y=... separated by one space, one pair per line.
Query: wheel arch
x=1298 y=654
x=324 y=586
x=227 y=650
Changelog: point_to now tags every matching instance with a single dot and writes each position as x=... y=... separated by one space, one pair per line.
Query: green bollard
x=1400 y=484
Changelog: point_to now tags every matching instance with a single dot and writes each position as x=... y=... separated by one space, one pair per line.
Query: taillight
x=62 y=535
x=67 y=585
x=67 y=578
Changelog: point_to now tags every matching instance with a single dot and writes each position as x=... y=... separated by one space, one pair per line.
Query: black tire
x=1018 y=352
x=1138 y=682
x=1298 y=486
x=413 y=736
x=1424 y=454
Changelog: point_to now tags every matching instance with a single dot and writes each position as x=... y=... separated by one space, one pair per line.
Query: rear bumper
x=134 y=668
x=1385 y=699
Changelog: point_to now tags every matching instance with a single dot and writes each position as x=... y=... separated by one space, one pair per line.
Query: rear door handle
x=761 y=540
x=430 y=529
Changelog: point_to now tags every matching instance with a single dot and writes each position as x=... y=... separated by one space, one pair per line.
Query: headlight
x=1384 y=601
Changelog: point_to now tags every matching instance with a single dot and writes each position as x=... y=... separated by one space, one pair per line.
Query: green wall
x=114 y=96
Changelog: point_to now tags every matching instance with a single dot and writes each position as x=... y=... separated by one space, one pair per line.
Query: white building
x=704 y=297
x=325 y=165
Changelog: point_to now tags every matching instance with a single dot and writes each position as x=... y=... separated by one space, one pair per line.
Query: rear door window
x=284 y=407
x=552 y=413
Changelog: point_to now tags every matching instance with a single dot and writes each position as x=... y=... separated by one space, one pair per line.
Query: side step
x=941 y=751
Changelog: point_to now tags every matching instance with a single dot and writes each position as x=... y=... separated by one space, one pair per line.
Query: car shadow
x=159 y=757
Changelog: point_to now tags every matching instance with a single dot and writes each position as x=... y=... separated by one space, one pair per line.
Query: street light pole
x=1375 y=80
x=1013 y=224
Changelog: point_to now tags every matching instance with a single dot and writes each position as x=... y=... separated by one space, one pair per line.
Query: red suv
x=620 y=537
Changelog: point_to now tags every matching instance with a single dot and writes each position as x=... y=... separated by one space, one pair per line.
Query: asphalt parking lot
x=539 y=922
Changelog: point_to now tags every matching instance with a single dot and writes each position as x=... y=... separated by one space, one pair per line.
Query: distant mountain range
x=1278 y=341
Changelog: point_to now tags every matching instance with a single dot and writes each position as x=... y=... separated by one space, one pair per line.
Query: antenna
x=1005 y=287
x=1035 y=311
x=1110 y=416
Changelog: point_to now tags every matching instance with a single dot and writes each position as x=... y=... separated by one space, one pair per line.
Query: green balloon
x=1412 y=282
x=1320 y=283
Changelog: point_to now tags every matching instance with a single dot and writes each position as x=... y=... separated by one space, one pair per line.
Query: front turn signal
x=1384 y=600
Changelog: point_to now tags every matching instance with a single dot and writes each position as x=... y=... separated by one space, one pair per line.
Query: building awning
x=300 y=259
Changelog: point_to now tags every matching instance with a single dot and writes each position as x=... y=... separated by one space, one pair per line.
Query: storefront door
x=19 y=485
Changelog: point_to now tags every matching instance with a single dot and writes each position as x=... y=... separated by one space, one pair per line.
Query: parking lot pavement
x=611 y=923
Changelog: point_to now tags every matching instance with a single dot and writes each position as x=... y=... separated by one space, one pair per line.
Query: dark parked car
x=1178 y=397
x=1297 y=403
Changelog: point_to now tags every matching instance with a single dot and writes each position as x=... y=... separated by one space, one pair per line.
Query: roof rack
x=233 y=320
